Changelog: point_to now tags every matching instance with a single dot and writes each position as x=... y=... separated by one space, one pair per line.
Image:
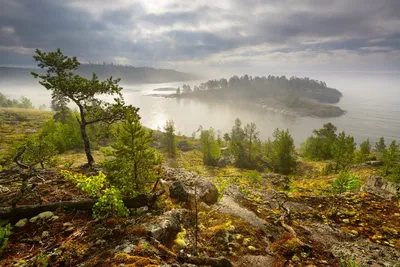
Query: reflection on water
x=371 y=100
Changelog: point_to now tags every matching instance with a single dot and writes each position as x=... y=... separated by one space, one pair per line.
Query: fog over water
x=372 y=102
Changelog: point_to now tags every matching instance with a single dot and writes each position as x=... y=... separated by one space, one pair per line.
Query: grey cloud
x=185 y=32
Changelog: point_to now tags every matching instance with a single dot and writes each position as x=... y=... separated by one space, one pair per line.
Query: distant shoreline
x=165 y=89
x=309 y=108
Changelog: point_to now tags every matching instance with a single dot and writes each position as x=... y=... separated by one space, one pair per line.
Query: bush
x=39 y=151
x=110 y=200
x=345 y=182
x=64 y=136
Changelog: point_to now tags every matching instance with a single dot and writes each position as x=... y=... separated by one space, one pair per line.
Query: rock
x=4 y=189
x=168 y=225
x=69 y=231
x=46 y=215
x=21 y=223
x=125 y=247
x=179 y=191
x=185 y=146
x=183 y=190
x=99 y=242
x=34 y=219
x=381 y=187
x=255 y=261
x=45 y=234
x=278 y=180
x=224 y=161
x=67 y=224
x=374 y=163
x=155 y=144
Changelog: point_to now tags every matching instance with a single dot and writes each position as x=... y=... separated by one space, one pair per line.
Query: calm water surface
x=372 y=102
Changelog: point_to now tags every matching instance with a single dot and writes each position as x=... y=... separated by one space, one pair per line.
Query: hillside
x=245 y=218
x=128 y=74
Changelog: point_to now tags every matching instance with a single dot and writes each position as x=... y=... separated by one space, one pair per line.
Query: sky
x=223 y=36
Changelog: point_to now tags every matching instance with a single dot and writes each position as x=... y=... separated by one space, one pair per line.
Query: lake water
x=372 y=102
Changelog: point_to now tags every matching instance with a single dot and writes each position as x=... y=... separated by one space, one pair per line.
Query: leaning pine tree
x=66 y=86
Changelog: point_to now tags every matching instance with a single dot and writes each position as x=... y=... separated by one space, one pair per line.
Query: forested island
x=295 y=96
x=128 y=74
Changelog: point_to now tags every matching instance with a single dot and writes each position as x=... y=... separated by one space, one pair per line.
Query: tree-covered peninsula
x=294 y=96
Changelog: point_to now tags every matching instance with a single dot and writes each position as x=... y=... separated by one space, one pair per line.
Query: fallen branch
x=290 y=229
x=87 y=204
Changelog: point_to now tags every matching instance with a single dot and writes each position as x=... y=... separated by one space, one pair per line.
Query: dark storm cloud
x=153 y=31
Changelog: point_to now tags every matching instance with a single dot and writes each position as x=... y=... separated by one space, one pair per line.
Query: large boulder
x=185 y=146
x=168 y=225
x=381 y=187
x=182 y=184
x=184 y=190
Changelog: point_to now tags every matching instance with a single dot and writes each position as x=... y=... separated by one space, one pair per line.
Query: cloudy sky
x=205 y=35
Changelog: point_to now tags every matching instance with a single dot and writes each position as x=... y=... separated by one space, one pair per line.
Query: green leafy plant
x=109 y=198
x=110 y=202
x=5 y=232
x=345 y=182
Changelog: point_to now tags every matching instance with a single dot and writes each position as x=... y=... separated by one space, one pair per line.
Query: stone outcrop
x=168 y=225
x=381 y=187
x=183 y=184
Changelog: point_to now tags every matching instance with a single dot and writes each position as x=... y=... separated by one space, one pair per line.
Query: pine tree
x=343 y=151
x=133 y=162
x=282 y=151
x=391 y=156
x=237 y=143
x=210 y=148
x=380 y=145
x=169 y=138
x=251 y=137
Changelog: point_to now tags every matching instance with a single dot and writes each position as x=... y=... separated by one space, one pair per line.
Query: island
x=291 y=96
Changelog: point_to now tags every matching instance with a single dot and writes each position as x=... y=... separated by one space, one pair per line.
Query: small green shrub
x=109 y=198
x=345 y=182
x=5 y=232
x=110 y=202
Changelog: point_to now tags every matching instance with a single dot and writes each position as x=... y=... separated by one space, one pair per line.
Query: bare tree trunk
x=85 y=137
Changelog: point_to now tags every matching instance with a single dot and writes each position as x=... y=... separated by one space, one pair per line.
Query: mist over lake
x=372 y=102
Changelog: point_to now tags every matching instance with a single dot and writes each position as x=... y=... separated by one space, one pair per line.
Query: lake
x=372 y=102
